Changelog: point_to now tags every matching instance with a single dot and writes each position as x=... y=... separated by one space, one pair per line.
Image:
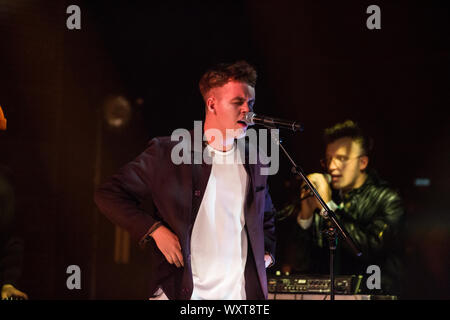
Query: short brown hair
x=223 y=73
x=349 y=129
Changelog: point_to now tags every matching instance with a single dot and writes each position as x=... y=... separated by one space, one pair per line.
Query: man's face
x=345 y=162
x=228 y=105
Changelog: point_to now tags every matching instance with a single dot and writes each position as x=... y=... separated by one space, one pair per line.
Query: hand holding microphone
x=322 y=184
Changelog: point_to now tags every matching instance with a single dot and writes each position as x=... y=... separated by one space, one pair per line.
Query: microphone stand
x=331 y=232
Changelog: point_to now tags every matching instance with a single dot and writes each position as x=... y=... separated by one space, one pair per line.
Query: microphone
x=252 y=119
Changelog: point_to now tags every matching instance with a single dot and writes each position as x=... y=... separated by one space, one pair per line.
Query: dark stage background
x=317 y=62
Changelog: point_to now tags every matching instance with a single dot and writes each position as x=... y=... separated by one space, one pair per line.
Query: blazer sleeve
x=121 y=196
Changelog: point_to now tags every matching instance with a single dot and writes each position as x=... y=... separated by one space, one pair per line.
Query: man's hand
x=267 y=260
x=9 y=292
x=322 y=186
x=169 y=245
x=309 y=204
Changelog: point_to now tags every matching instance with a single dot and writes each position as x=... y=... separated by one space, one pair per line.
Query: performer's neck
x=224 y=144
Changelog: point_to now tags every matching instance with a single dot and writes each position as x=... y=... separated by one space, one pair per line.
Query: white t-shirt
x=219 y=240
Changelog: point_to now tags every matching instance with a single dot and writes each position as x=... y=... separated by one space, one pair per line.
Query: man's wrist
x=155 y=226
x=148 y=236
x=330 y=204
x=304 y=223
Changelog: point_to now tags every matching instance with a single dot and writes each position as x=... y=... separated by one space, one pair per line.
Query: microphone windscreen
x=248 y=118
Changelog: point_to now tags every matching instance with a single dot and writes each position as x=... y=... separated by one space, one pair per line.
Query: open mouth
x=242 y=122
x=335 y=178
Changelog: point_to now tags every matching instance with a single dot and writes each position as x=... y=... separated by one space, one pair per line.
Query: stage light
x=117 y=111
x=422 y=182
x=2 y=120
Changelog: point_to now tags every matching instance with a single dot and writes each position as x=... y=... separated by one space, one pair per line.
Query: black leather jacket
x=373 y=217
x=370 y=214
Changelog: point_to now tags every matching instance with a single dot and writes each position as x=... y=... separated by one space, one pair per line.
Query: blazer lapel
x=250 y=169
x=200 y=176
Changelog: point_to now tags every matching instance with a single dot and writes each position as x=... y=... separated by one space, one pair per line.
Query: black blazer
x=152 y=188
